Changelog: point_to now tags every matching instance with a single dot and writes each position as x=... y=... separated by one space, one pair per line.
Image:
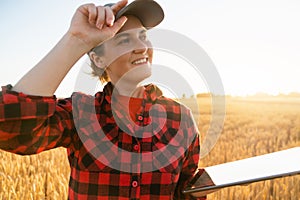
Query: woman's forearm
x=44 y=78
x=89 y=27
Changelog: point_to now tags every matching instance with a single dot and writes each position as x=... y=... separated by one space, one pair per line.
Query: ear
x=99 y=61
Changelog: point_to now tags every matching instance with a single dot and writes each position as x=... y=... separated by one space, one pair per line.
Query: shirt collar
x=151 y=93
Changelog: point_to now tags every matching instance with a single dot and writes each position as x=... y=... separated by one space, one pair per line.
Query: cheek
x=121 y=59
x=116 y=55
x=122 y=65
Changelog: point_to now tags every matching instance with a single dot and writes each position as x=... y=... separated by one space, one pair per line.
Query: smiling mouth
x=140 y=61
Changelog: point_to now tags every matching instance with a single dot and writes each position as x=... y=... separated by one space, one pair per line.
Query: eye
x=124 y=41
x=144 y=37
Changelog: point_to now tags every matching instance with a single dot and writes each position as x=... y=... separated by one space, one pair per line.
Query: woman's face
x=128 y=55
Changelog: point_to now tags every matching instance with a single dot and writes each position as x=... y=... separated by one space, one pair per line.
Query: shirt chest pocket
x=98 y=152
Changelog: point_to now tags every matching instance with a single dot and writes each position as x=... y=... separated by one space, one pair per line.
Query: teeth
x=140 y=61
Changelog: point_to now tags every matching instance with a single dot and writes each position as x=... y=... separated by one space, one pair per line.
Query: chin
x=146 y=73
x=137 y=74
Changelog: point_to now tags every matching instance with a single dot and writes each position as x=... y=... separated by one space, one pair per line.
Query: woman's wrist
x=77 y=43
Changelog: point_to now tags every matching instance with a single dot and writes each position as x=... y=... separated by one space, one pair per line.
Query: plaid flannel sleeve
x=32 y=124
x=191 y=162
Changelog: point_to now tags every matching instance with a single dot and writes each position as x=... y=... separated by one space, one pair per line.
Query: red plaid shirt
x=110 y=157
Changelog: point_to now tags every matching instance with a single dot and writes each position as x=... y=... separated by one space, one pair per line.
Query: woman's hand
x=94 y=24
x=90 y=26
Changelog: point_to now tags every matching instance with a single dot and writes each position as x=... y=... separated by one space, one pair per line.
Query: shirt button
x=140 y=118
x=136 y=147
x=134 y=183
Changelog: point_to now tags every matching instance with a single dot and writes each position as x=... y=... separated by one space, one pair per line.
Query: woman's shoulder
x=87 y=98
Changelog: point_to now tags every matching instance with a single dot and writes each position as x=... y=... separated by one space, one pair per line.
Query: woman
x=127 y=142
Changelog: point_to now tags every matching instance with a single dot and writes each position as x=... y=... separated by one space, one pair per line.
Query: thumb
x=118 y=24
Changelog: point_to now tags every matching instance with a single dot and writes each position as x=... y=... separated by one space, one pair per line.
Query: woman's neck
x=130 y=90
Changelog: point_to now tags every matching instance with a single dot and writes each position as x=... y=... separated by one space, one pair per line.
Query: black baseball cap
x=148 y=12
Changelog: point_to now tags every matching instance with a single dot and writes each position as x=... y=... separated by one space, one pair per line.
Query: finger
x=118 y=24
x=92 y=13
x=118 y=6
x=110 y=17
x=100 y=17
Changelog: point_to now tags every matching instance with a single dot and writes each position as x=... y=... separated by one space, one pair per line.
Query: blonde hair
x=96 y=71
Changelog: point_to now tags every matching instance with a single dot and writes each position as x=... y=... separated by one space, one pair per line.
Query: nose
x=141 y=47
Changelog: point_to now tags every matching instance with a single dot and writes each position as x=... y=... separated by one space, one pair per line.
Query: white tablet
x=245 y=171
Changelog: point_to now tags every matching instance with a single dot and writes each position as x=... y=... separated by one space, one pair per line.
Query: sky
x=254 y=44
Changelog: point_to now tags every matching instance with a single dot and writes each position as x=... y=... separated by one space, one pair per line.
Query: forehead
x=131 y=23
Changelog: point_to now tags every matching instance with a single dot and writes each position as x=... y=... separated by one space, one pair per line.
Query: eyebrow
x=143 y=31
x=127 y=34
x=121 y=35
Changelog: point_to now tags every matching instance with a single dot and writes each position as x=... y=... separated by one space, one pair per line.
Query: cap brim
x=148 y=11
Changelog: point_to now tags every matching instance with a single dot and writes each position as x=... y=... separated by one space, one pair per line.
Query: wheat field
x=253 y=126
